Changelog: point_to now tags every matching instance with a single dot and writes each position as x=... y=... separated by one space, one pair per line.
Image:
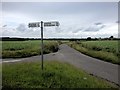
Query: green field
x=104 y=50
x=16 y=49
x=108 y=46
x=54 y=75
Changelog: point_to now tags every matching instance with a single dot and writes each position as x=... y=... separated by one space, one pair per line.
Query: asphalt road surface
x=91 y=65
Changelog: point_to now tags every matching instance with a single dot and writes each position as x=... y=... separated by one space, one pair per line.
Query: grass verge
x=102 y=55
x=54 y=75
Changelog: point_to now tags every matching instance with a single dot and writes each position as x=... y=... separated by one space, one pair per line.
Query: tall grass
x=54 y=75
x=16 y=49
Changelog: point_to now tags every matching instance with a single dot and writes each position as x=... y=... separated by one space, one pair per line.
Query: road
x=91 y=65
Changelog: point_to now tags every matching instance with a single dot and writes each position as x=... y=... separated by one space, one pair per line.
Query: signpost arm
x=42 y=44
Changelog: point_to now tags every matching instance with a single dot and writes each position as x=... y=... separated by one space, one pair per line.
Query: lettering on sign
x=34 y=24
x=47 y=24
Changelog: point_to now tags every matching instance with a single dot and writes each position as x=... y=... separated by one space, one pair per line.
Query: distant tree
x=111 y=37
x=96 y=38
x=88 y=38
x=99 y=38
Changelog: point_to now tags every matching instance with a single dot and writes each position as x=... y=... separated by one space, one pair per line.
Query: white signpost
x=41 y=24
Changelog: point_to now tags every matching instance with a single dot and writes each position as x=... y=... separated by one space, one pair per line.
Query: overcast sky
x=77 y=20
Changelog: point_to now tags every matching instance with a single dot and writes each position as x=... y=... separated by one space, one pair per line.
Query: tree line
x=70 y=39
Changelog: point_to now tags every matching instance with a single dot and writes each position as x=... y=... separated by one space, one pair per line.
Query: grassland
x=104 y=50
x=17 y=49
x=54 y=75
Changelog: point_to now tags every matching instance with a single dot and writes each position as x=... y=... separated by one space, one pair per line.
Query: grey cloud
x=102 y=26
x=98 y=23
x=77 y=30
x=4 y=26
x=94 y=28
x=91 y=29
x=21 y=27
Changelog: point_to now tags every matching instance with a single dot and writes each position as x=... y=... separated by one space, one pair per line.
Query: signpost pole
x=42 y=44
x=46 y=24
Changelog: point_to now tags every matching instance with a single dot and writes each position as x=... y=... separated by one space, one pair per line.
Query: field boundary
x=101 y=55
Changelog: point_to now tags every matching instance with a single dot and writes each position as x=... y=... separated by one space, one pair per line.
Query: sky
x=77 y=19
